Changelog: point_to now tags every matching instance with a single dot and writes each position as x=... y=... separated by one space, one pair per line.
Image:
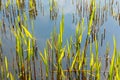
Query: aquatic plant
x=59 y=60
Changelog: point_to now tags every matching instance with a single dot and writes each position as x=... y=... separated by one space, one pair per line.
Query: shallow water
x=43 y=25
x=74 y=11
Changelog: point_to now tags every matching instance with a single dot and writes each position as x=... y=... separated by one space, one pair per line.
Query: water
x=43 y=26
x=108 y=22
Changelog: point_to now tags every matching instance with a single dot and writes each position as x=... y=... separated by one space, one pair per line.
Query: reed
x=59 y=60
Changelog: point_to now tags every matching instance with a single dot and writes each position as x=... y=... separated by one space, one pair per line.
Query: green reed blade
x=111 y=70
x=11 y=76
x=61 y=55
x=27 y=32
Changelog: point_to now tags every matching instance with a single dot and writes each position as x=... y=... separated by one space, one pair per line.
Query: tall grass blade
x=27 y=32
x=111 y=70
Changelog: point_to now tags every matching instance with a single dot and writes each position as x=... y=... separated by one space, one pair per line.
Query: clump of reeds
x=56 y=55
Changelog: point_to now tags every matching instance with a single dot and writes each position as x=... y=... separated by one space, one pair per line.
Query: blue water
x=43 y=25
